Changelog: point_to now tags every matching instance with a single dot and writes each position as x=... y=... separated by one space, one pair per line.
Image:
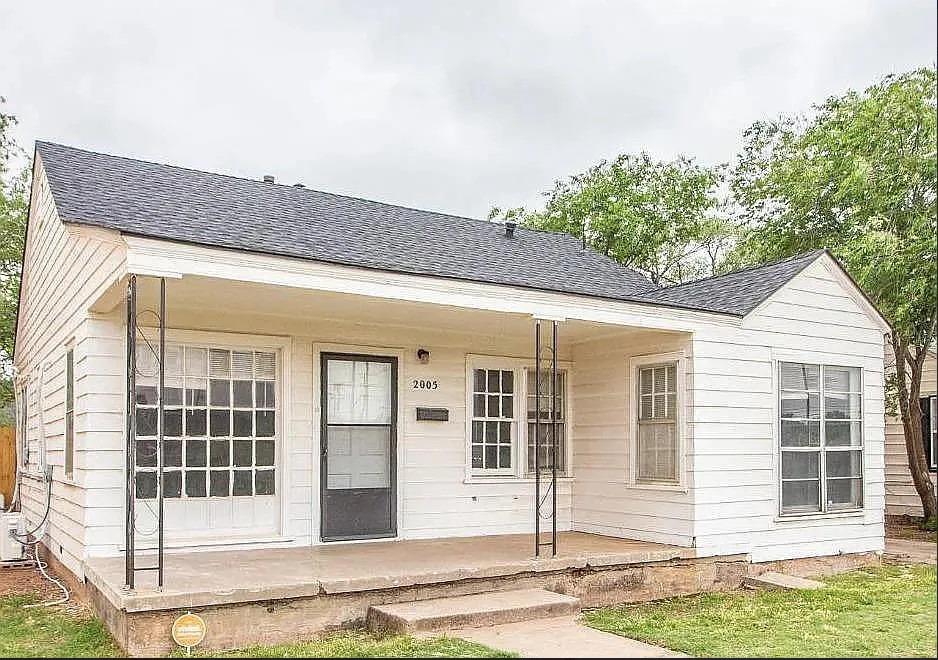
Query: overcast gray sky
x=451 y=106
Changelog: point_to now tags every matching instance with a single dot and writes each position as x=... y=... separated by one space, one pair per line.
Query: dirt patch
x=908 y=528
x=28 y=581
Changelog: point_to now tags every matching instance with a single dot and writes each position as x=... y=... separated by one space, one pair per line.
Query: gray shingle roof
x=178 y=204
x=736 y=293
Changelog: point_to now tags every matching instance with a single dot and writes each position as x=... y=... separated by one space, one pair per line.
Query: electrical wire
x=42 y=569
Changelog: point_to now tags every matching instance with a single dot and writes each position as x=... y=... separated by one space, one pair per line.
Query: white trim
x=163 y=257
x=318 y=348
x=680 y=359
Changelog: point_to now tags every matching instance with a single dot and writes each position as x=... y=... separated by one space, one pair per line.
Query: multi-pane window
x=657 y=447
x=69 y=413
x=929 y=406
x=493 y=420
x=219 y=422
x=545 y=441
x=821 y=435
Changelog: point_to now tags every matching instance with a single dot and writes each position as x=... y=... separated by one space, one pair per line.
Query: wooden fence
x=7 y=462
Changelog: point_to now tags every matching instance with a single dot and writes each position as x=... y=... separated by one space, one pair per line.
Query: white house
x=740 y=414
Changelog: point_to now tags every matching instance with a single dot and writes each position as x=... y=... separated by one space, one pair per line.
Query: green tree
x=858 y=175
x=659 y=217
x=14 y=203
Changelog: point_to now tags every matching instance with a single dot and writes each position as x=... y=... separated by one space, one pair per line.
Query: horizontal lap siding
x=733 y=423
x=603 y=501
x=901 y=497
x=435 y=500
x=66 y=269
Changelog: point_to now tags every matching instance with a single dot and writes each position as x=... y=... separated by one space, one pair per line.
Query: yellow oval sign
x=189 y=630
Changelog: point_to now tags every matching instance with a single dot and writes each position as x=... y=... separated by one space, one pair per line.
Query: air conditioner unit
x=10 y=549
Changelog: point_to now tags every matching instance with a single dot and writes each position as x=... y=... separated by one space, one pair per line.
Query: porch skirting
x=283 y=605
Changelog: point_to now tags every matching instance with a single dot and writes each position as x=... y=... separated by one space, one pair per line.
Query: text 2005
x=426 y=384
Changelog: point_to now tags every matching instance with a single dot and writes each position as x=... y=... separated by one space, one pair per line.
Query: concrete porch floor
x=200 y=579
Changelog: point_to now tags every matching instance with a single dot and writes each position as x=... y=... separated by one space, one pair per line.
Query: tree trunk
x=909 y=383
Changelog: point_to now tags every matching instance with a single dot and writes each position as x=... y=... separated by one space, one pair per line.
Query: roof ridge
x=796 y=257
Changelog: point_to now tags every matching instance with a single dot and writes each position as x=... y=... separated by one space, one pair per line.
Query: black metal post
x=159 y=441
x=537 y=438
x=553 y=436
x=131 y=430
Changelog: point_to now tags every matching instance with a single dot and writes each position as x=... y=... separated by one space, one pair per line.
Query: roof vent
x=268 y=178
x=298 y=185
x=510 y=229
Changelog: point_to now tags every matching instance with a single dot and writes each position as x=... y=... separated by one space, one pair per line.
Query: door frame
x=323 y=354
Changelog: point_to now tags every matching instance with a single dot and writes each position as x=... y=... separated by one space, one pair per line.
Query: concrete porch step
x=486 y=609
x=773 y=580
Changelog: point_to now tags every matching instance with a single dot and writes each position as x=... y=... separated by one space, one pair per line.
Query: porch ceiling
x=222 y=296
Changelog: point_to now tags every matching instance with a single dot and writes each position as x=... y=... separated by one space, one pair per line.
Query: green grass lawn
x=50 y=633
x=882 y=611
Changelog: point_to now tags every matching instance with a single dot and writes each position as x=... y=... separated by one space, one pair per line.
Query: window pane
x=800 y=376
x=265 y=366
x=146 y=395
x=264 y=482
x=219 y=483
x=801 y=496
x=800 y=405
x=477 y=456
x=842 y=434
x=264 y=450
x=219 y=364
x=195 y=422
x=477 y=432
x=146 y=452
x=195 y=453
x=645 y=380
x=220 y=392
x=241 y=393
x=801 y=464
x=546 y=446
x=844 y=464
x=196 y=361
x=265 y=422
x=172 y=484
x=172 y=392
x=494 y=406
x=491 y=456
x=478 y=380
x=172 y=452
x=657 y=452
x=508 y=382
x=478 y=405
x=359 y=392
x=264 y=394
x=172 y=422
x=195 y=483
x=146 y=421
x=359 y=457
x=244 y=453
x=195 y=391
x=508 y=406
x=841 y=379
x=242 y=423
x=220 y=422
x=243 y=482
x=646 y=406
x=800 y=434
x=844 y=493
x=841 y=406
x=145 y=485
x=221 y=453
x=494 y=381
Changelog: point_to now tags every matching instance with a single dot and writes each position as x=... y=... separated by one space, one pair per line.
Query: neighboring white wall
x=604 y=501
x=815 y=318
x=434 y=498
x=65 y=269
x=901 y=497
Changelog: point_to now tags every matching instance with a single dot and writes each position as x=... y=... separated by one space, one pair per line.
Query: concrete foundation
x=285 y=603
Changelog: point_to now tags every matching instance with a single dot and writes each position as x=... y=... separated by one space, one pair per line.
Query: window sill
x=511 y=479
x=674 y=488
x=820 y=515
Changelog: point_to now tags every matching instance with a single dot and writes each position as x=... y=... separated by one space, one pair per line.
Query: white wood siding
x=604 y=502
x=816 y=318
x=66 y=268
x=901 y=497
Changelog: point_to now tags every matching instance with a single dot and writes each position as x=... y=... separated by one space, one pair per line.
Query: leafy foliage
x=14 y=202
x=659 y=217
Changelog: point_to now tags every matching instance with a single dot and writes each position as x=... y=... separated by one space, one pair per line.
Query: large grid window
x=546 y=445
x=929 y=406
x=493 y=420
x=821 y=437
x=657 y=447
x=219 y=423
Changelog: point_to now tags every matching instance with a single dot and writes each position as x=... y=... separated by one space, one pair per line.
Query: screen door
x=358 y=446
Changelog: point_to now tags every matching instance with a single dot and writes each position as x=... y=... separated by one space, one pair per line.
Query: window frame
x=932 y=440
x=824 y=509
x=679 y=359
x=69 y=414
x=21 y=392
x=565 y=369
x=500 y=364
